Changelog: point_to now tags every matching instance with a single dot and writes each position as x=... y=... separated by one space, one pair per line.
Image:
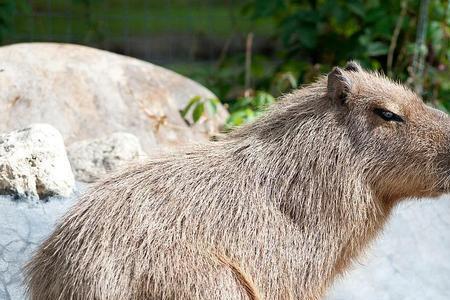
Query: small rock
x=91 y=159
x=34 y=164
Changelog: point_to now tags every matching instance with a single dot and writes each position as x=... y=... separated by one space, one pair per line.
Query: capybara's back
x=130 y=237
x=275 y=210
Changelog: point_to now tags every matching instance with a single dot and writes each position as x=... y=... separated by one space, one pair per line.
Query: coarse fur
x=275 y=210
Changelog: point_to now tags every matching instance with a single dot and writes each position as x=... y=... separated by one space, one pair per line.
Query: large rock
x=87 y=93
x=34 y=164
x=92 y=159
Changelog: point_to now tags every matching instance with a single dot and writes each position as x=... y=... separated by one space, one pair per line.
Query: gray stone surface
x=94 y=158
x=410 y=261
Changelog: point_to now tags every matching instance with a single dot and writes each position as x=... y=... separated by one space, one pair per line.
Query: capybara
x=274 y=210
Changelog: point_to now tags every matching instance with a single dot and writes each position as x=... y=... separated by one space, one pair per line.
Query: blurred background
x=248 y=52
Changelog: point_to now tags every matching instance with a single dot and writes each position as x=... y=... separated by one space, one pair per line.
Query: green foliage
x=330 y=32
x=246 y=109
x=196 y=106
x=310 y=37
x=8 y=8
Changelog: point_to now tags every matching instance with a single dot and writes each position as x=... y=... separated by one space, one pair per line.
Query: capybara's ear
x=353 y=66
x=338 y=85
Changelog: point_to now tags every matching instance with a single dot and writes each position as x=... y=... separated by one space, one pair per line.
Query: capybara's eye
x=388 y=115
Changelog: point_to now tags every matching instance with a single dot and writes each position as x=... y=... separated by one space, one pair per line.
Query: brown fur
x=276 y=210
x=243 y=279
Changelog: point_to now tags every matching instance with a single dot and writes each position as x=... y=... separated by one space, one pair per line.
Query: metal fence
x=161 y=31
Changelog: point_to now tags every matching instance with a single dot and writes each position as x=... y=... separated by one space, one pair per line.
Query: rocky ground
x=23 y=225
x=410 y=261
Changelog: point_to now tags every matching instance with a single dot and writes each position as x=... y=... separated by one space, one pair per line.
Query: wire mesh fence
x=161 y=31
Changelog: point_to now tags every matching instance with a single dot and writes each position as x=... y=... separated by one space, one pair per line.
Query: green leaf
x=211 y=107
x=262 y=99
x=242 y=102
x=189 y=105
x=216 y=101
x=198 y=112
x=237 y=118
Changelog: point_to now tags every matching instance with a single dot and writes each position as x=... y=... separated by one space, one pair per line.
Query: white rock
x=34 y=164
x=91 y=159
x=86 y=93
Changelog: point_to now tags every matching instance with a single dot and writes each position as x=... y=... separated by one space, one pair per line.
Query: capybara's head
x=403 y=144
